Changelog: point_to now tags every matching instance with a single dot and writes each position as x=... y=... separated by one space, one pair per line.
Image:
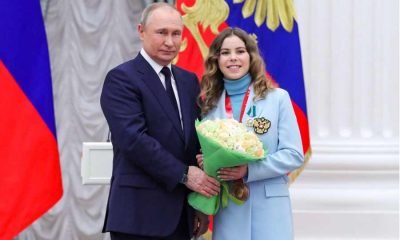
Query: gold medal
x=239 y=190
x=261 y=125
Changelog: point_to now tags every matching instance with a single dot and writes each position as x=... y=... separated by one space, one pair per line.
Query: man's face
x=162 y=35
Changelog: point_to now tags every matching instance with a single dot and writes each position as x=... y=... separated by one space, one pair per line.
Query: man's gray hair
x=151 y=7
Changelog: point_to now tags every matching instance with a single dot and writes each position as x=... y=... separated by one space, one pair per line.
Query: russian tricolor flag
x=30 y=175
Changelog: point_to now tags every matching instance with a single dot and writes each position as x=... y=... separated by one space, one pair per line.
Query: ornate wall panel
x=86 y=39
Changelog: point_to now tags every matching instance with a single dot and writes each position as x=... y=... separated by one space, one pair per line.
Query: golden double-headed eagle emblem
x=211 y=13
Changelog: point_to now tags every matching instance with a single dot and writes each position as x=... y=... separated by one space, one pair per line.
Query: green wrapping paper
x=215 y=156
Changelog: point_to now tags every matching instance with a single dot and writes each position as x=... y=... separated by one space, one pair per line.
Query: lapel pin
x=261 y=125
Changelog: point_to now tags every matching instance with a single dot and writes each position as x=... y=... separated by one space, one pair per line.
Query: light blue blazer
x=267 y=214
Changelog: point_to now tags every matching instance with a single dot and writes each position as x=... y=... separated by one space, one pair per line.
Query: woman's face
x=233 y=60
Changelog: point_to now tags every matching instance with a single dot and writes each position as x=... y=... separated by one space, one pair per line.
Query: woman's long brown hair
x=212 y=84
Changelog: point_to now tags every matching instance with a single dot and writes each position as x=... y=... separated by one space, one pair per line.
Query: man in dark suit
x=150 y=107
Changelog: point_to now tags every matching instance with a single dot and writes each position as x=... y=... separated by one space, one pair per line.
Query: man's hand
x=200 y=182
x=201 y=222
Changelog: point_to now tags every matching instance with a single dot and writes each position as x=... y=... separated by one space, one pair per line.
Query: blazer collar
x=152 y=81
x=157 y=67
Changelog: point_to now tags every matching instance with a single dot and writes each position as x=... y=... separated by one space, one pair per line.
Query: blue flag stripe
x=23 y=43
x=280 y=50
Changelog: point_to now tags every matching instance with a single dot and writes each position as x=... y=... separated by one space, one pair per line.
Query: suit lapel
x=152 y=80
x=184 y=103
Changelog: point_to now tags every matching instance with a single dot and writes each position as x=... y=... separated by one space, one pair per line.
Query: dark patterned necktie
x=170 y=91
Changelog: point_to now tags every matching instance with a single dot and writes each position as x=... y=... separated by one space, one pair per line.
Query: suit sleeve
x=289 y=154
x=121 y=102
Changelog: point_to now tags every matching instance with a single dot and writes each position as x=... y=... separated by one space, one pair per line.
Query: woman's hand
x=199 y=158
x=232 y=173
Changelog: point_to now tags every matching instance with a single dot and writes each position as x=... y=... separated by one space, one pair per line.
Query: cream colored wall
x=351 y=68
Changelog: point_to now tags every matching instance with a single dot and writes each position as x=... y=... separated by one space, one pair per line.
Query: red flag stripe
x=30 y=166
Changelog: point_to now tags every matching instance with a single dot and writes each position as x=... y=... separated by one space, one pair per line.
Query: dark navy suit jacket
x=150 y=148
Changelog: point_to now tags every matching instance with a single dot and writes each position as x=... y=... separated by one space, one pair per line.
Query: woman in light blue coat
x=235 y=85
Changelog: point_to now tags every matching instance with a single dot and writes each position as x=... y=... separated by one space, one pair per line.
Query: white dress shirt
x=157 y=68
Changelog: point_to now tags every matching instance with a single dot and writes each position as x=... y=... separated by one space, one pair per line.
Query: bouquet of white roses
x=224 y=143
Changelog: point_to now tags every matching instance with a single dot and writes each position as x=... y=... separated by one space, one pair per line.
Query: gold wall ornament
x=274 y=12
x=204 y=13
x=254 y=36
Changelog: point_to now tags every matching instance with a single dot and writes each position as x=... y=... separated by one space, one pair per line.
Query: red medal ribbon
x=228 y=105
